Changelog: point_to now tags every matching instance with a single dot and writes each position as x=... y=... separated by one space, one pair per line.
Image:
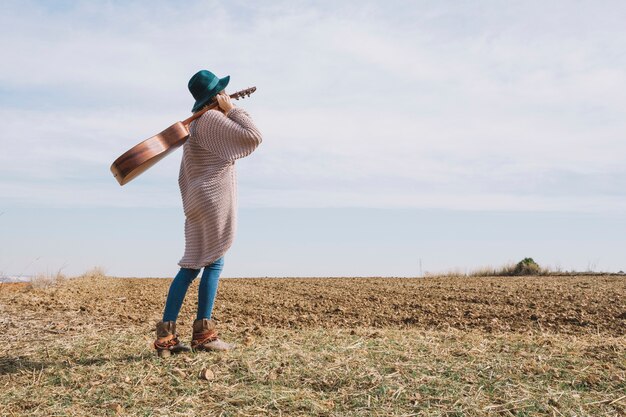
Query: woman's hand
x=223 y=100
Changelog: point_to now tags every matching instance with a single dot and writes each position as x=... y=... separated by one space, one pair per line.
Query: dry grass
x=45 y=280
x=508 y=270
x=60 y=359
x=321 y=372
x=94 y=273
x=505 y=270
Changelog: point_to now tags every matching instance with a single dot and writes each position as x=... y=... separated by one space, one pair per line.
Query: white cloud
x=498 y=107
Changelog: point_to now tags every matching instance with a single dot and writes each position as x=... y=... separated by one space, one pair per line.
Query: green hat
x=204 y=85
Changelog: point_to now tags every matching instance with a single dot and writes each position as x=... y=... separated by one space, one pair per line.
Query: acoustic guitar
x=147 y=153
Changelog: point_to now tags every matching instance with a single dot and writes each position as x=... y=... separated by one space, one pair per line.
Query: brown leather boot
x=205 y=337
x=167 y=340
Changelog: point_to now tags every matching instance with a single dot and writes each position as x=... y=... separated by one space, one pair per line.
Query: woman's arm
x=231 y=136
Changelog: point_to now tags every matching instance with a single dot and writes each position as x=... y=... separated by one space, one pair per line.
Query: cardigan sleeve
x=231 y=136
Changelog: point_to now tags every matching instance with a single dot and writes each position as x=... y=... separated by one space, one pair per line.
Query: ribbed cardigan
x=208 y=182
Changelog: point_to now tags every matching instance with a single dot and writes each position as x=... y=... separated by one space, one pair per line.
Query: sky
x=399 y=137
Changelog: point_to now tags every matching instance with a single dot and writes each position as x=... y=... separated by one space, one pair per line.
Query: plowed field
x=572 y=305
x=532 y=346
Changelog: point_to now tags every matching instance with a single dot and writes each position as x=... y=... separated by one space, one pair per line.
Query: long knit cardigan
x=208 y=182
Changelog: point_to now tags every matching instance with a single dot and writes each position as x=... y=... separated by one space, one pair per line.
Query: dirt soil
x=570 y=305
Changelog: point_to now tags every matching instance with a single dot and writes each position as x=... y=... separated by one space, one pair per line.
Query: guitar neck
x=236 y=96
x=197 y=114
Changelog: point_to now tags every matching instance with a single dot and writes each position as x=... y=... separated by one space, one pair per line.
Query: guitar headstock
x=243 y=93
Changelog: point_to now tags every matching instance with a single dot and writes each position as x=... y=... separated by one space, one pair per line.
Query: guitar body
x=147 y=153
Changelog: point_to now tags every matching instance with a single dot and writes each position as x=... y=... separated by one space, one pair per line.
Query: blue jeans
x=206 y=292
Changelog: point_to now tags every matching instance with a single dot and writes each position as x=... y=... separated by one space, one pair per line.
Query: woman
x=208 y=186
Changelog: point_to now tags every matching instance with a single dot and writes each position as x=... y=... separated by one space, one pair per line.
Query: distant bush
x=527 y=266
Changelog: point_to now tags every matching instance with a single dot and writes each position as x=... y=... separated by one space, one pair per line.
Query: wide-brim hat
x=203 y=86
